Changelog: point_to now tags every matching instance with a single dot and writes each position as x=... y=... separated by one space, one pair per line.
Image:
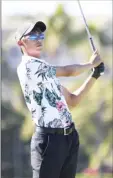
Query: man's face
x=33 y=43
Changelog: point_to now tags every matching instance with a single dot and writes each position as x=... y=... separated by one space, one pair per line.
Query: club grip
x=93 y=48
x=92 y=44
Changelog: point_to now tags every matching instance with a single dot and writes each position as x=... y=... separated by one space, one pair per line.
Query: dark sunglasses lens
x=41 y=36
x=36 y=37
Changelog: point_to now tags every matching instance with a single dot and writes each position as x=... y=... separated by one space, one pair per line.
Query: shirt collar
x=26 y=58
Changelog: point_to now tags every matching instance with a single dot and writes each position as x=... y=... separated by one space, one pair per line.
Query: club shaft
x=87 y=29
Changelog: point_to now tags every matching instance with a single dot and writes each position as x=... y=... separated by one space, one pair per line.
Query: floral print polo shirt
x=42 y=93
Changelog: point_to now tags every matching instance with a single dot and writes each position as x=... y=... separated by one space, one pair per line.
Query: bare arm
x=76 y=69
x=73 y=70
x=73 y=99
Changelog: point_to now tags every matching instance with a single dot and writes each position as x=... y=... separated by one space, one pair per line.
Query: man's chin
x=39 y=48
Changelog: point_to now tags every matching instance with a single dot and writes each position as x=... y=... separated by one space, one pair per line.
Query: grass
x=94 y=176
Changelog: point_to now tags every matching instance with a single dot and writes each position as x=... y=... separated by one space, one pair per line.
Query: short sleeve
x=53 y=70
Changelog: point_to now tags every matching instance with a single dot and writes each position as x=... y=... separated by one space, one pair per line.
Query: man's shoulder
x=18 y=67
x=30 y=61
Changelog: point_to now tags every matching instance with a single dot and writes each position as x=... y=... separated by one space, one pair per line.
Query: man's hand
x=77 y=69
x=98 y=70
x=95 y=59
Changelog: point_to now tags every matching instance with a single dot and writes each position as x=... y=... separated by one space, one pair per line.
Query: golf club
x=87 y=29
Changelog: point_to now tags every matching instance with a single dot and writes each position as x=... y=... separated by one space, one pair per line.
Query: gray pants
x=54 y=155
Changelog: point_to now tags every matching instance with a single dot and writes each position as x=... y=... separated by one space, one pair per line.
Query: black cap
x=28 y=27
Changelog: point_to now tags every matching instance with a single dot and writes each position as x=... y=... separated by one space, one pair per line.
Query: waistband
x=63 y=131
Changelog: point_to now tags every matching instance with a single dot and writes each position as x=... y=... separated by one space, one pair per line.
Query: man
x=55 y=143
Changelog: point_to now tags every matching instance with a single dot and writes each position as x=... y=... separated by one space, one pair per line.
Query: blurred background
x=66 y=43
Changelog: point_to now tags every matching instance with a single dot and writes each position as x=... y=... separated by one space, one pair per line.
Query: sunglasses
x=36 y=37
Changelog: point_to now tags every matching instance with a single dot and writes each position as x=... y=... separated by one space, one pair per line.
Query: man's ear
x=20 y=43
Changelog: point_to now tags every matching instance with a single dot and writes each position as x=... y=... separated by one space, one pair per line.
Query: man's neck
x=35 y=56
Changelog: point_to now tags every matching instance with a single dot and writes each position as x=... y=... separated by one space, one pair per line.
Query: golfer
x=55 y=142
